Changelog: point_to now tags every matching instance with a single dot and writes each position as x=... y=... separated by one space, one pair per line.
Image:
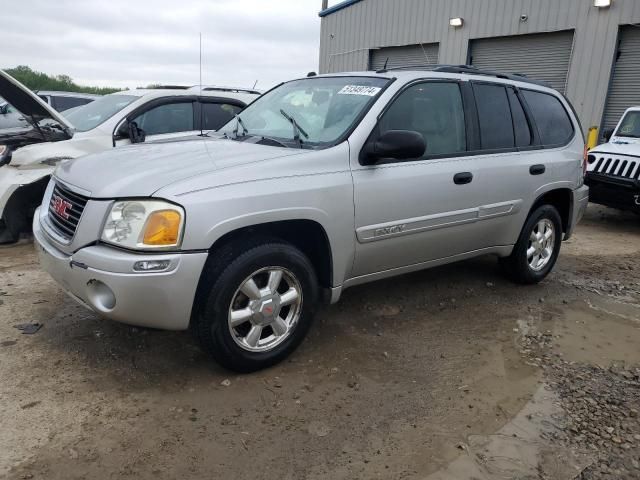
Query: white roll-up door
x=540 y=56
x=423 y=55
x=624 y=89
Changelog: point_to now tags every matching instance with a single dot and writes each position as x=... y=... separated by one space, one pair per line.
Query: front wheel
x=538 y=247
x=259 y=308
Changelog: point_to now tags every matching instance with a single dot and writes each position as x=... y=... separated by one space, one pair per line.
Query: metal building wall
x=348 y=34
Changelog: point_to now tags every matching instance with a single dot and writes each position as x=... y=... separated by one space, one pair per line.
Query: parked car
x=122 y=118
x=613 y=171
x=321 y=184
x=62 y=101
x=11 y=118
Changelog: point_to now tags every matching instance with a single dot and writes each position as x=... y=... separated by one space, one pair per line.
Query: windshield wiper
x=297 y=129
x=239 y=123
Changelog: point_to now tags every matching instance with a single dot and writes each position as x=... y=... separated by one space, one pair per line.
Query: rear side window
x=215 y=115
x=521 y=128
x=552 y=120
x=494 y=116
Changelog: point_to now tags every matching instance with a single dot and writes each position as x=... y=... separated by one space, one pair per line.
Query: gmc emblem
x=61 y=206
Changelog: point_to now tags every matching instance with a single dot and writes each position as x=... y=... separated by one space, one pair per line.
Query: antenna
x=201 y=103
x=254 y=85
x=385 y=64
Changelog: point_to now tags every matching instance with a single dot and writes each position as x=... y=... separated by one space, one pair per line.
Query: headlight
x=144 y=224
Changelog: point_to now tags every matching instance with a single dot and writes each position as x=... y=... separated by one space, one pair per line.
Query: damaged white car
x=27 y=158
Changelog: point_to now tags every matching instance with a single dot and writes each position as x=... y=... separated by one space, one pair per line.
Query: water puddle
x=519 y=450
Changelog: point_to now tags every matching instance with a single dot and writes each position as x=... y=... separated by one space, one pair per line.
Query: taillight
x=585 y=157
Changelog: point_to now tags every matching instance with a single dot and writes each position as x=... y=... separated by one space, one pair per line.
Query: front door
x=165 y=121
x=408 y=212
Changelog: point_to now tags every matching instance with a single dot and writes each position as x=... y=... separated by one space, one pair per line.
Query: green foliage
x=43 y=81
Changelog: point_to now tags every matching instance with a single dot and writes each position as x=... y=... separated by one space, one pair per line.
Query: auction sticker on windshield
x=359 y=90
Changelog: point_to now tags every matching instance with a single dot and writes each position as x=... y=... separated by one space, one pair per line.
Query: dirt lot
x=450 y=373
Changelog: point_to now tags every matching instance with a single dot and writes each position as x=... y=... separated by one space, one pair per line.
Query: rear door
x=522 y=138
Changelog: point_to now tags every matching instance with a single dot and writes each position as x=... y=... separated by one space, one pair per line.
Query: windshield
x=312 y=112
x=92 y=114
x=630 y=125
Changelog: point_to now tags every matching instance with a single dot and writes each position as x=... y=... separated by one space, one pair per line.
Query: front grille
x=65 y=210
x=603 y=164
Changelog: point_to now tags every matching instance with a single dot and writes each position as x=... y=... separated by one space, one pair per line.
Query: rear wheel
x=538 y=247
x=257 y=309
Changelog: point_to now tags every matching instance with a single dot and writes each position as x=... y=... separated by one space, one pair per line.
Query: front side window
x=95 y=113
x=494 y=117
x=433 y=109
x=167 y=118
x=630 y=125
x=552 y=120
x=215 y=115
x=319 y=111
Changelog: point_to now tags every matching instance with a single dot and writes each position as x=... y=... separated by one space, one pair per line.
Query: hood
x=619 y=146
x=32 y=107
x=140 y=170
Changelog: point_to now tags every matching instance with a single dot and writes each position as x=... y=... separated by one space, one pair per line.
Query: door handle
x=462 y=178
x=537 y=169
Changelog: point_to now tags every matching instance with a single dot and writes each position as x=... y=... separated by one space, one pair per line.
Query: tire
x=11 y=227
x=222 y=288
x=522 y=268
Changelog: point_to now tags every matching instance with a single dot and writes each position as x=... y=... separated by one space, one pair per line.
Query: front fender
x=12 y=179
x=326 y=199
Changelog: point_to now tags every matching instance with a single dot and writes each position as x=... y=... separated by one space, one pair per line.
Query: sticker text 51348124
x=359 y=90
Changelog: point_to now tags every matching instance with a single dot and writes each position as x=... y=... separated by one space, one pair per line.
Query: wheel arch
x=560 y=197
x=309 y=236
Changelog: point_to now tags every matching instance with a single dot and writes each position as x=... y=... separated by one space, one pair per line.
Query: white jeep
x=613 y=170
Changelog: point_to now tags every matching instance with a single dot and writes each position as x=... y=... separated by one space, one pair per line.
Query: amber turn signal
x=162 y=228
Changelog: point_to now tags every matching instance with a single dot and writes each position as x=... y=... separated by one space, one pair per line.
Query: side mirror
x=4 y=109
x=607 y=133
x=396 y=144
x=136 y=134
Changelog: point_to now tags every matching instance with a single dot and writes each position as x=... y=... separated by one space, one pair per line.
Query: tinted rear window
x=494 y=115
x=550 y=116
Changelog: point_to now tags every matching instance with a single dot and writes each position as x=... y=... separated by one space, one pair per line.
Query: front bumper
x=102 y=278
x=579 y=206
x=620 y=193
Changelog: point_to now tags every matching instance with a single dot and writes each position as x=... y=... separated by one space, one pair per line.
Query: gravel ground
x=450 y=373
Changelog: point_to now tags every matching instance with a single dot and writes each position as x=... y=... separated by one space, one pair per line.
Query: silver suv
x=320 y=184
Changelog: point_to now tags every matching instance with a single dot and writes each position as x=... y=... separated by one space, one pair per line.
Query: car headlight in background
x=144 y=224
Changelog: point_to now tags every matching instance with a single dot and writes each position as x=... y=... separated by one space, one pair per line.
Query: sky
x=132 y=43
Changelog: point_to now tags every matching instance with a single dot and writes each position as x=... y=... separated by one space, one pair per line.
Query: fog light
x=100 y=296
x=151 y=265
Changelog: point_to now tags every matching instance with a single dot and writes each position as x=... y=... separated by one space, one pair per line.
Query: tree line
x=43 y=81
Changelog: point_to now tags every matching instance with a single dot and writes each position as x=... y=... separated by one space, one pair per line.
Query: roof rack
x=216 y=88
x=164 y=87
x=468 y=69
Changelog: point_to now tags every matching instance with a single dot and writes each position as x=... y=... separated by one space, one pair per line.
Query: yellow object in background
x=592 y=138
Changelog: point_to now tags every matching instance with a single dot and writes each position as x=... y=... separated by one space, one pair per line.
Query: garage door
x=542 y=56
x=623 y=90
x=422 y=55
